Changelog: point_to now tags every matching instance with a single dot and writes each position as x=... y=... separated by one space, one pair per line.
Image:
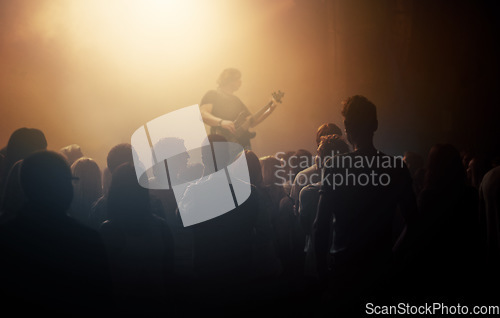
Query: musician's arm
x=266 y=114
x=211 y=120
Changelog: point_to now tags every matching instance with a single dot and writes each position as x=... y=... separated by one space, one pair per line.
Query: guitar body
x=242 y=134
x=242 y=124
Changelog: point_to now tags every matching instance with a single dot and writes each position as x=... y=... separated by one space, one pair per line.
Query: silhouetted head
x=301 y=159
x=118 y=155
x=88 y=186
x=13 y=197
x=270 y=166
x=330 y=146
x=192 y=172
x=127 y=200
x=72 y=153
x=284 y=157
x=46 y=181
x=166 y=146
x=220 y=146
x=444 y=167
x=478 y=167
x=327 y=129
x=466 y=157
x=360 y=119
x=419 y=180
x=413 y=161
x=254 y=168
x=23 y=142
x=170 y=145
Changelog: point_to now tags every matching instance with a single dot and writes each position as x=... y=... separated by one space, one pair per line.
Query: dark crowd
x=78 y=239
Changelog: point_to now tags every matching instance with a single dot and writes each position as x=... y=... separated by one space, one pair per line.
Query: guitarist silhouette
x=227 y=115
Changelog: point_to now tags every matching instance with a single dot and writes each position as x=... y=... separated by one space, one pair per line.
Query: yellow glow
x=139 y=33
x=91 y=71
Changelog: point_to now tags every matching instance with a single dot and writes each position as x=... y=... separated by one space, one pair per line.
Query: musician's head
x=360 y=118
x=229 y=79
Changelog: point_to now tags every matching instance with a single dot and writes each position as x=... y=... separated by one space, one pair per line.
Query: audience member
x=357 y=259
x=477 y=168
x=72 y=153
x=140 y=246
x=413 y=161
x=447 y=225
x=87 y=187
x=49 y=261
x=22 y=143
x=118 y=155
x=161 y=190
x=489 y=209
x=329 y=146
x=330 y=233
x=312 y=174
x=301 y=160
x=265 y=262
x=14 y=198
x=271 y=179
x=288 y=231
x=223 y=249
x=287 y=169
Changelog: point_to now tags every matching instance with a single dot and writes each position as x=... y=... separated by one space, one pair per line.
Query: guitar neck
x=261 y=111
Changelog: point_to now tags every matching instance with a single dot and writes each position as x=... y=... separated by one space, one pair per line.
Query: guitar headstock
x=277 y=96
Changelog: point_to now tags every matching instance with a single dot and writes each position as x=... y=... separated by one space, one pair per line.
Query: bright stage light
x=140 y=33
x=99 y=68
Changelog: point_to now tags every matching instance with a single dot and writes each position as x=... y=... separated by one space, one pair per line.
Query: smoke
x=91 y=72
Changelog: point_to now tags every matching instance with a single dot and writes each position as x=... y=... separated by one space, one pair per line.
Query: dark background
x=431 y=67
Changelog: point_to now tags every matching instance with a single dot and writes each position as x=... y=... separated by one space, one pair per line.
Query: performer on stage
x=220 y=108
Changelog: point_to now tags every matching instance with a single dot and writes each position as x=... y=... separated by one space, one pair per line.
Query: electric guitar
x=243 y=122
